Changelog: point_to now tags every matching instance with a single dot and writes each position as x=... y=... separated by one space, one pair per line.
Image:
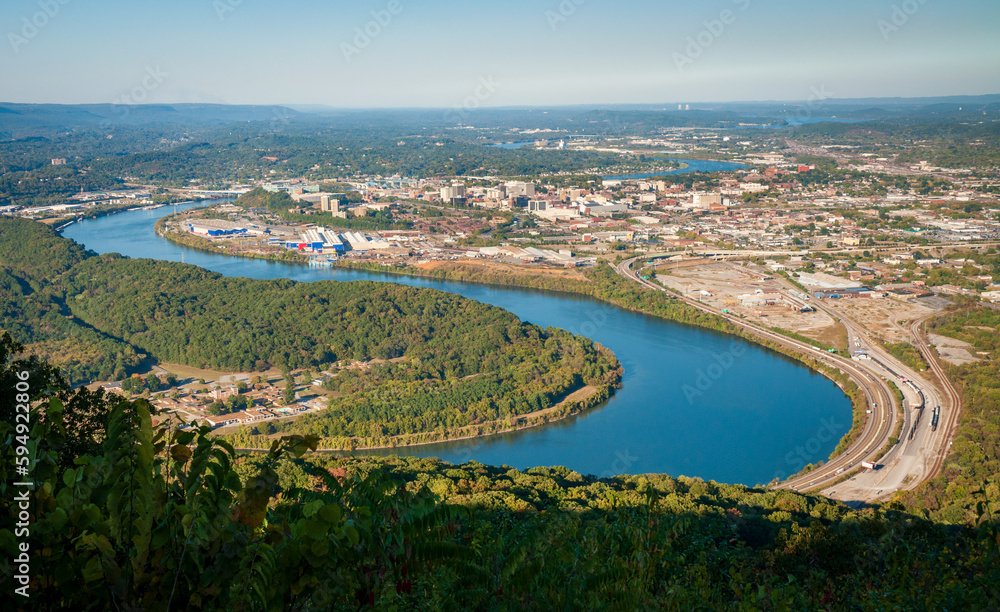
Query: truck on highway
x=868 y=465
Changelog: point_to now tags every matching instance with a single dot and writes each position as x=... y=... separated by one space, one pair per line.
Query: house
x=254 y=414
x=114 y=388
x=223 y=393
x=221 y=420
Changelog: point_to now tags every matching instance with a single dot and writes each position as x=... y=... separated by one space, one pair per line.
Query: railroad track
x=952 y=399
x=878 y=427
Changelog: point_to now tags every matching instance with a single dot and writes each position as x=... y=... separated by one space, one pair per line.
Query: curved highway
x=881 y=419
x=922 y=447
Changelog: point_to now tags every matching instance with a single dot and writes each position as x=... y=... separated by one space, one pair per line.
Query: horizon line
x=813 y=100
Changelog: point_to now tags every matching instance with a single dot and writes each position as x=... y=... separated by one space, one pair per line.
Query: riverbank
x=603 y=284
x=575 y=403
x=600 y=283
x=204 y=245
x=649 y=418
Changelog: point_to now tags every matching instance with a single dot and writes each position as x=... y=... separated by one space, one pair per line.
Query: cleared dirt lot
x=952 y=350
x=887 y=318
x=725 y=283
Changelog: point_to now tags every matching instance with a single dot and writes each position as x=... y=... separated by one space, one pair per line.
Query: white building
x=519 y=188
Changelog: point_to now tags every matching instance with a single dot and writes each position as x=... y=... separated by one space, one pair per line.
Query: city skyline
x=397 y=54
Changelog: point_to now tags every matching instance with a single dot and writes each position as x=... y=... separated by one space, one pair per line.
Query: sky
x=426 y=53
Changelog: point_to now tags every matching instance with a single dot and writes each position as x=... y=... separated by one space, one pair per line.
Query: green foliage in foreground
x=157 y=520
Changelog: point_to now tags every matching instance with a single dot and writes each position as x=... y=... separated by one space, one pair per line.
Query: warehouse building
x=215 y=228
x=849 y=294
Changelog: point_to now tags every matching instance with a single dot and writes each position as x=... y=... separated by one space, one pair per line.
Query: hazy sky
x=514 y=52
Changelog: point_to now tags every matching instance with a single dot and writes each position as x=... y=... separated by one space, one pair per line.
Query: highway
x=921 y=449
x=880 y=424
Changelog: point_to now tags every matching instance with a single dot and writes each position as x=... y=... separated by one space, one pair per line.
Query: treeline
x=397 y=404
x=949 y=142
x=131 y=516
x=250 y=152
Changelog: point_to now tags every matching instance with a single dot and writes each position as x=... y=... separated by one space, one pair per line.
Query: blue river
x=693 y=165
x=692 y=402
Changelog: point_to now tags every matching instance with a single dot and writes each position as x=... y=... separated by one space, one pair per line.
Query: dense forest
x=32 y=260
x=446 y=361
x=130 y=516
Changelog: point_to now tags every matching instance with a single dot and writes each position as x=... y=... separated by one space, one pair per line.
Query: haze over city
x=415 y=54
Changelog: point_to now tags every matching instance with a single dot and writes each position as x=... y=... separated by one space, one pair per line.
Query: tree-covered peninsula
x=443 y=363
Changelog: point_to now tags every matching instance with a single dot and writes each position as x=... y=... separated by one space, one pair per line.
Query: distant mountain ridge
x=24 y=120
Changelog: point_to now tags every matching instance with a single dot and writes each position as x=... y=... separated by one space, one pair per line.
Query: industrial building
x=362 y=244
x=320 y=239
x=215 y=228
x=849 y=293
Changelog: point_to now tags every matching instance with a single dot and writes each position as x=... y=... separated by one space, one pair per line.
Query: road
x=881 y=421
x=921 y=449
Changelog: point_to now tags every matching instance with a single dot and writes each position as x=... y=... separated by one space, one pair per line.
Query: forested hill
x=449 y=360
x=35 y=252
